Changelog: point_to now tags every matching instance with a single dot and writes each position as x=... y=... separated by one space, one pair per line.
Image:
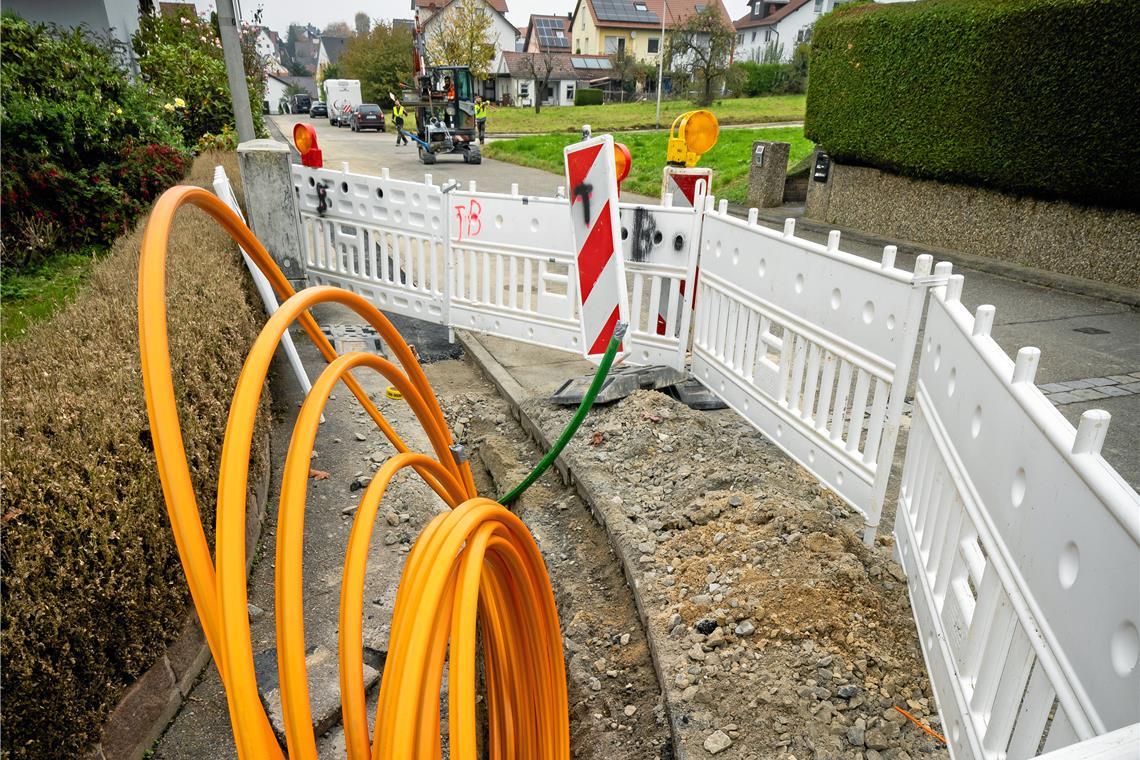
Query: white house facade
x=783 y=24
x=502 y=33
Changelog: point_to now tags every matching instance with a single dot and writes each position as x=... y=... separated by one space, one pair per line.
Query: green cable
x=576 y=420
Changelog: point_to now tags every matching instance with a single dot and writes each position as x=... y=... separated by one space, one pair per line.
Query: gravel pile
x=778 y=634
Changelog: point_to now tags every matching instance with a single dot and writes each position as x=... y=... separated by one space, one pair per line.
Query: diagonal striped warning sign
x=591 y=176
x=686 y=184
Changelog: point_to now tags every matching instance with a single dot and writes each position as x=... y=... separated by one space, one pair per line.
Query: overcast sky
x=278 y=14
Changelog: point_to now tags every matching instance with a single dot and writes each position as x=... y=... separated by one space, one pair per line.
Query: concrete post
x=235 y=69
x=768 y=167
x=271 y=200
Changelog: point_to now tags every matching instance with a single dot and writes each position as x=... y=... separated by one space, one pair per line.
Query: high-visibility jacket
x=398 y=112
x=480 y=110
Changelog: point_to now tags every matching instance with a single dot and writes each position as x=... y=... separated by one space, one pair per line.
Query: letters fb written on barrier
x=1021 y=547
x=379 y=237
x=811 y=345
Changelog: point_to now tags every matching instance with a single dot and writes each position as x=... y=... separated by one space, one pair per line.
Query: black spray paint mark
x=583 y=190
x=644 y=234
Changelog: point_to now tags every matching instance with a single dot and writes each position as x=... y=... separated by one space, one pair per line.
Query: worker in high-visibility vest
x=481 y=117
x=399 y=113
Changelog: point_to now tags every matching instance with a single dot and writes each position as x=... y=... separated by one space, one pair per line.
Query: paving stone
x=1077 y=384
x=1131 y=387
x=1088 y=394
x=1063 y=398
x=1099 y=381
x=1122 y=379
x=1135 y=375
x=1114 y=390
x=1053 y=388
x=324 y=687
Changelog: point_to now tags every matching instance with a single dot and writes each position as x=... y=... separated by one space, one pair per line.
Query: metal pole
x=235 y=70
x=661 y=61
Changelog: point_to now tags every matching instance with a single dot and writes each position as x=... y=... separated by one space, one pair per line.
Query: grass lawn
x=32 y=296
x=729 y=159
x=617 y=116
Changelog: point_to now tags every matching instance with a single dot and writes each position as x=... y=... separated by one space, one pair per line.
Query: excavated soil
x=616 y=707
x=779 y=634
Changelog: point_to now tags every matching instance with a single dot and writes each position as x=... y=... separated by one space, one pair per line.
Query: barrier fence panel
x=811 y=345
x=1022 y=551
x=513 y=270
x=659 y=246
x=382 y=238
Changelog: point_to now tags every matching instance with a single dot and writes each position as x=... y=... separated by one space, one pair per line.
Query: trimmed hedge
x=1034 y=97
x=587 y=96
x=92 y=586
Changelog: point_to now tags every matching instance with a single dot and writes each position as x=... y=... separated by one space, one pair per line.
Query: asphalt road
x=1080 y=338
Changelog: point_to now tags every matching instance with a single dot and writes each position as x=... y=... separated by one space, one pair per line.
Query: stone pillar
x=271 y=204
x=768 y=167
x=819 y=185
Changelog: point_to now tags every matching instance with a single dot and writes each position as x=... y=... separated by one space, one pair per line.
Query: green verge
x=729 y=159
x=1028 y=96
x=642 y=115
x=31 y=297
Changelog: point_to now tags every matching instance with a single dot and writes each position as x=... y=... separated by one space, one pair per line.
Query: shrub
x=587 y=96
x=92 y=586
x=84 y=150
x=1029 y=96
x=181 y=61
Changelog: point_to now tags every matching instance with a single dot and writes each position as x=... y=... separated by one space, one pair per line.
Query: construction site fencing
x=1020 y=543
x=811 y=345
x=1021 y=546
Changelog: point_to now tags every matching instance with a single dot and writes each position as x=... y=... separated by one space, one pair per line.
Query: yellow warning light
x=693 y=133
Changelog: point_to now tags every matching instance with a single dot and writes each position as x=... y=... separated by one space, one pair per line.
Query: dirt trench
x=616 y=707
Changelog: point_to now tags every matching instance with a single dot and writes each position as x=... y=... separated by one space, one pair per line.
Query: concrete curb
x=151 y=702
x=1100 y=290
x=515 y=397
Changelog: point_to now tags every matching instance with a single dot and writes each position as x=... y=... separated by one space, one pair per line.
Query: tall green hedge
x=587 y=96
x=1038 y=97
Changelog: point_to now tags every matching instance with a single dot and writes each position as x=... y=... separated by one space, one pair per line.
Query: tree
x=461 y=39
x=381 y=60
x=625 y=70
x=539 y=67
x=701 y=46
x=338 y=29
x=363 y=22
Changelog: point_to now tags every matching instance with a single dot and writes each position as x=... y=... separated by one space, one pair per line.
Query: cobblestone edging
x=151 y=702
x=684 y=743
x=1091 y=388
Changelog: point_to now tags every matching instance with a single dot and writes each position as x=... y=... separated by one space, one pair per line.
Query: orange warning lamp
x=622 y=161
x=693 y=133
x=305 y=138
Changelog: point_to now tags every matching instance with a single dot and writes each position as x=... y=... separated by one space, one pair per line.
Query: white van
x=342 y=95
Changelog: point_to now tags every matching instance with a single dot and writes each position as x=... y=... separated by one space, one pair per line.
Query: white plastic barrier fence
x=1022 y=551
x=513 y=268
x=811 y=345
x=376 y=236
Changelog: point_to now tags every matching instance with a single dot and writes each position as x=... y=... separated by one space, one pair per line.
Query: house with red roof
x=502 y=33
x=777 y=25
x=605 y=27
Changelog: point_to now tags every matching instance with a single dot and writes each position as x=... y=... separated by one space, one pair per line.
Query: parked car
x=339 y=117
x=367 y=116
x=318 y=108
x=299 y=103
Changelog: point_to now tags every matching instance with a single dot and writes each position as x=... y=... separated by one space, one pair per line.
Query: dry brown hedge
x=92 y=587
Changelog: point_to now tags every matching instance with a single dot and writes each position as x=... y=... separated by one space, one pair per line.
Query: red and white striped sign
x=591 y=176
x=686 y=184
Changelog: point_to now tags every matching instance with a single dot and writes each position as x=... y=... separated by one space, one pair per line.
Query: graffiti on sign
x=470 y=223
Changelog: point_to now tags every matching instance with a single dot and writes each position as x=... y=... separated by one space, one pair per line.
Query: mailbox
x=822 y=166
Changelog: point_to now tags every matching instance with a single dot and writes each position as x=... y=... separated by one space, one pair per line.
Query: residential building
x=605 y=27
x=117 y=19
x=502 y=33
x=277 y=85
x=568 y=72
x=328 y=52
x=269 y=47
x=777 y=24
x=547 y=34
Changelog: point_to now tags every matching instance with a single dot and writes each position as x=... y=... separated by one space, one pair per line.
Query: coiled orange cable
x=475 y=562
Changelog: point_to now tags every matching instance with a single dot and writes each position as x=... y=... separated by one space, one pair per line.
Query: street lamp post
x=661 y=60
